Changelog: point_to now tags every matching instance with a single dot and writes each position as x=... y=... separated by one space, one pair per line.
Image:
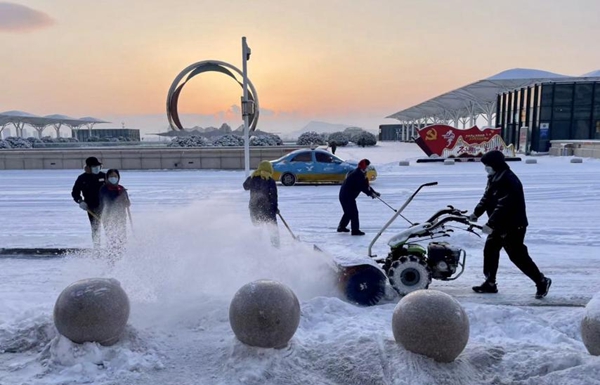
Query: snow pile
x=94 y=362
x=58 y=360
x=311 y=138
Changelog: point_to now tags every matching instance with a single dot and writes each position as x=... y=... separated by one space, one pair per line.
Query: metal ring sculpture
x=198 y=68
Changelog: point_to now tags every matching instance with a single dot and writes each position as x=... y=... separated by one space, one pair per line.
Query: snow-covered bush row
x=189 y=141
x=341 y=139
x=228 y=140
x=266 y=140
x=364 y=139
x=4 y=144
x=16 y=142
x=310 y=138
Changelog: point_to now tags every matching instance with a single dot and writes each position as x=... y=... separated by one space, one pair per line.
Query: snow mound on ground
x=58 y=360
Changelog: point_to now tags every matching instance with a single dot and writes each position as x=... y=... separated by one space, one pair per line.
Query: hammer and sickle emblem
x=431 y=134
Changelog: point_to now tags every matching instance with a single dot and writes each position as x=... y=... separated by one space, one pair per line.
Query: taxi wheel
x=288 y=179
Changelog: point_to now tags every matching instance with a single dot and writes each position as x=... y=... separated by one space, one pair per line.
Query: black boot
x=486 y=287
x=357 y=232
x=342 y=230
x=543 y=287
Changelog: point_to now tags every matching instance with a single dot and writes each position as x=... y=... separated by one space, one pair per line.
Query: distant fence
x=220 y=158
x=582 y=148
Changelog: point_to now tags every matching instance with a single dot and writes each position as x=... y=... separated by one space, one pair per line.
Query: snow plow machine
x=408 y=266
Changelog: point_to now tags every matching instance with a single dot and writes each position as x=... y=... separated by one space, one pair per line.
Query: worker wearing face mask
x=504 y=203
x=114 y=204
x=86 y=193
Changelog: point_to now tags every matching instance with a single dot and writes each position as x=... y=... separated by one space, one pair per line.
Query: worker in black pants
x=88 y=184
x=504 y=203
x=355 y=183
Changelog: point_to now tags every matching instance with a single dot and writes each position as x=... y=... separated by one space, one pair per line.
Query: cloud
x=20 y=19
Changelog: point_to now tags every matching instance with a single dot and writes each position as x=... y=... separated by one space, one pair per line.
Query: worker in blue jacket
x=356 y=182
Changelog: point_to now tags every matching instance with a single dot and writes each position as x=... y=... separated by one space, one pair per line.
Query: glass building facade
x=549 y=111
x=129 y=133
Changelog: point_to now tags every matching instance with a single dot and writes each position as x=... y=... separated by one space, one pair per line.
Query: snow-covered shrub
x=228 y=140
x=16 y=142
x=48 y=139
x=364 y=139
x=351 y=131
x=189 y=141
x=4 y=144
x=310 y=138
x=340 y=138
x=266 y=140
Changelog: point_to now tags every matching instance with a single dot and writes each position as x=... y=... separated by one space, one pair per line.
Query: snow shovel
x=315 y=247
x=130 y=220
x=96 y=217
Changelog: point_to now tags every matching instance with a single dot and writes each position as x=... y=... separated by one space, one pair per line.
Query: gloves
x=83 y=206
x=473 y=218
x=487 y=229
x=375 y=194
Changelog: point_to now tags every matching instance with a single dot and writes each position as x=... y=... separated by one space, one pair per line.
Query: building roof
x=35 y=120
x=480 y=97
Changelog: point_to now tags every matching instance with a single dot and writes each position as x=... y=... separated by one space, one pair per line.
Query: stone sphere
x=265 y=314
x=530 y=161
x=590 y=326
x=431 y=323
x=576 y=160
x=92 y=310
x=404 y=163
x=449 y=162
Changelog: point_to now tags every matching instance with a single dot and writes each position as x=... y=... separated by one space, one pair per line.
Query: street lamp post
x=247 y=105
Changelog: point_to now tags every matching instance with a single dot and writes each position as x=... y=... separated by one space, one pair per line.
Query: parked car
x=314 y=166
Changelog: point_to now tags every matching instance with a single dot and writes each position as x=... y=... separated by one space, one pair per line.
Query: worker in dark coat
x=504 y=203
x=356 y=182
x=114 y=206
x=86 y=192
x=263 y=198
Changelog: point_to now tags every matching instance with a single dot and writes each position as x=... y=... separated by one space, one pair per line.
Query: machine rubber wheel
x=365 y=285
x=408 y=274
x=288 y=179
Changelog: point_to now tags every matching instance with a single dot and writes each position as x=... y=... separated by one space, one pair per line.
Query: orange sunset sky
x=339 y=61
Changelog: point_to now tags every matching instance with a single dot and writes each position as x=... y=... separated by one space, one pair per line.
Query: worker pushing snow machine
x=409 y=266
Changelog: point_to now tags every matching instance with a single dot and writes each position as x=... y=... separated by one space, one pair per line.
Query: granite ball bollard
x=92 y=310
x=576 y=160
x=431 y=323
x=404 y=163
x=264 y=314
x=530 y=161
x=449 y=162
x=590 y=326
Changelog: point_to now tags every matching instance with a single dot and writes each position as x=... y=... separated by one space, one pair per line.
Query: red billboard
x=448 y=142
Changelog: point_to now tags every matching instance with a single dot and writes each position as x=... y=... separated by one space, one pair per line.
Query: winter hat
x=92 y=161
x=264 y=170
x=495 y=159
x=363 y=164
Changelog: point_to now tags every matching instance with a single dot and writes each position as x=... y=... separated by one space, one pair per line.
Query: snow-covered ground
x=194 y=246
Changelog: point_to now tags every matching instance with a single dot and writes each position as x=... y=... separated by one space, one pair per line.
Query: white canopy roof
x=480 y=97
x=35 y=120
